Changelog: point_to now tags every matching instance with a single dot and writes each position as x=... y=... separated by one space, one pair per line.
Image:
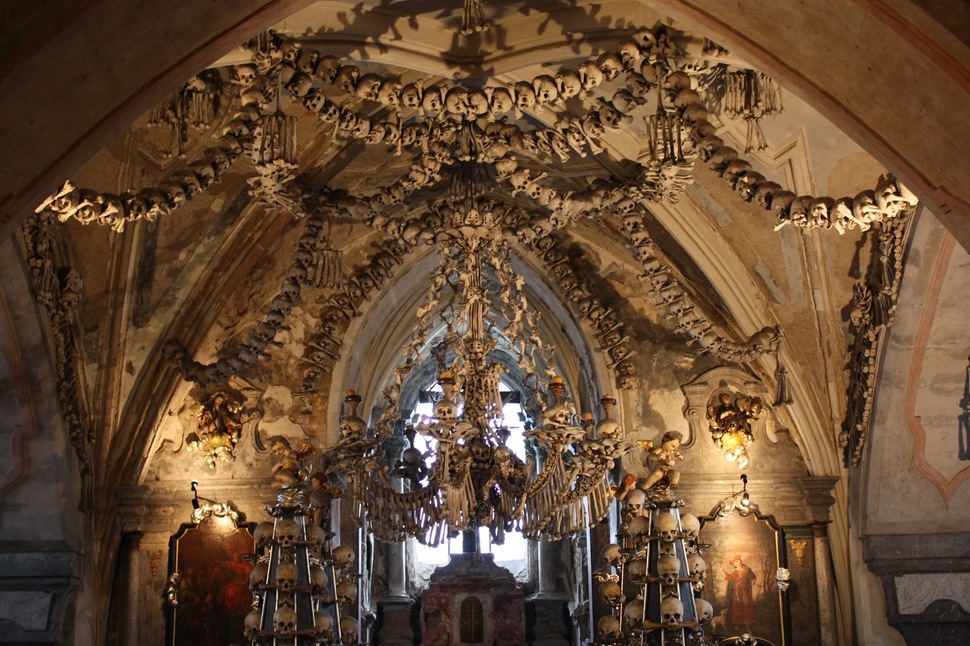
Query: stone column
x=548 y=565
x=825 y=585
x=548 y=601
x=132 y=590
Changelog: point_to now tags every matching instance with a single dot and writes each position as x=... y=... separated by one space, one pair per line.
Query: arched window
x=515 y=553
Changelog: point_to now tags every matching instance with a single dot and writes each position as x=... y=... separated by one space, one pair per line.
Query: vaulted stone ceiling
x=166 y=299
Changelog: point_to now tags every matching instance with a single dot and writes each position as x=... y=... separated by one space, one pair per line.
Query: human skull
x=300 y=84
x=346 y=592
x=720 y=158
x=444 y=410
x=287 y=532
x=263 y=534
x=697 y=566
x=346 y=78
x=315 y=536
x=525 y=95
x=323 y=626
x=666 y=526
x=609 y=116
x=764 y=193
x=568 y=83
x=590 y=76
x=251 y=623
x=800 y=208
x=545 y=89
x=612 y=555
x=747 y=184
x=318 y=579
x=781 y=201
x=348 y=629
x=671 y=611
x=257 y=576
x=668 y=567
x=499 y=101
x=638 y=527
x=284 y=620
x=704 y=610
x=611 y=592
x=246 y=75
x=327 y=68
x=633 y=613
x=330 y=111
x=347 y=121
x=477 y=103
x=820 y=211
x=690 y=525
x=636 y=502
x=456 y=101
x=307 y=62
x=629 y=53
x=286 y=576
x=368 y=86
x=343 y=556
x=411 y=95
x=637 y=570
x=610 y=64
x=733 y=171
x=433 y=101
x=608 y=628
x=697 y=114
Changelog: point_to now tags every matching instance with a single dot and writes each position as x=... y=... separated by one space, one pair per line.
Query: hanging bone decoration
x=58 y=287
x=473 y=479
x=192 y=106
x=440 y=125
x=873 y=304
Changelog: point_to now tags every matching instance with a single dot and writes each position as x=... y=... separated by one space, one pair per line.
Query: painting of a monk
x=740 y=595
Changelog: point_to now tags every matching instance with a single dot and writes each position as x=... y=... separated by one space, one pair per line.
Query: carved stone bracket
x=704 y=388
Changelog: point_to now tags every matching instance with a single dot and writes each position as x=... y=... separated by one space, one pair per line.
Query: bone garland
x=323 y=345
x=605 y=323
x=264 y=333
x=655 y=46
x=690 y=320
x=58 y=289
x=87 y=207
x=890 y=200
x=873 y=305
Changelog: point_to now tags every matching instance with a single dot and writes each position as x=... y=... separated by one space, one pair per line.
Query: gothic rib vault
x=166 y=298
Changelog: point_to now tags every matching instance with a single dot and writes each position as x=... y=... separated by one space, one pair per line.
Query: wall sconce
x=220 y=426
x=739 y=501
x=202 y=508
x=729 y=420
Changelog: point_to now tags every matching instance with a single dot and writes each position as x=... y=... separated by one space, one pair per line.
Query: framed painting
x=742 y=561
x=208 y=587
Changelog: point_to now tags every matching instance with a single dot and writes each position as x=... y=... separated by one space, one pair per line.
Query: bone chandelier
x=471 y=478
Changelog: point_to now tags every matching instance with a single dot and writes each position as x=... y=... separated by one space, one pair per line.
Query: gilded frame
x=208 y=593
x=745 y=553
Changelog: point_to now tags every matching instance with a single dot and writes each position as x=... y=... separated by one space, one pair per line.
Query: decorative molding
x=947 y=488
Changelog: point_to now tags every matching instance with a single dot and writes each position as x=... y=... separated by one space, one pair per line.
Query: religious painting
x=744 y=555
x=209 y=582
